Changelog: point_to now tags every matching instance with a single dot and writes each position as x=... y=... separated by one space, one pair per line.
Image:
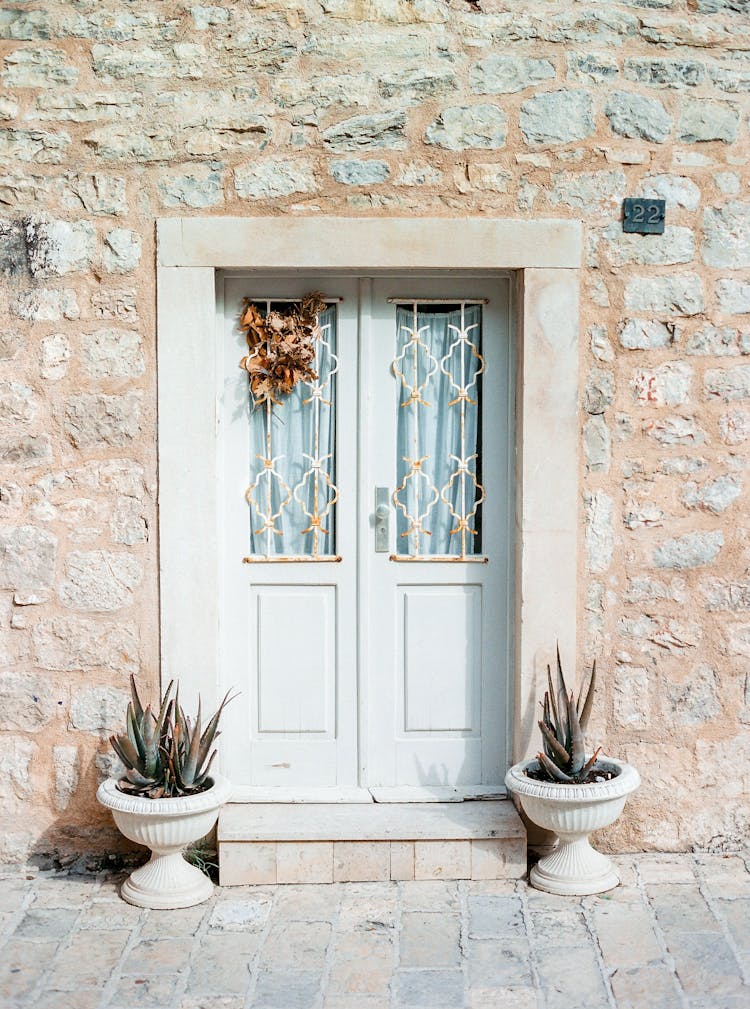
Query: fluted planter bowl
x=165 y=826
x=572 y=812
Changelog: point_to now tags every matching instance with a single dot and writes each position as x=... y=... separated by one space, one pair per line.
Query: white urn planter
x=166 y=826
x=574 y=868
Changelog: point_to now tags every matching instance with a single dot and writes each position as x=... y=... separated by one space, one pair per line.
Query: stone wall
x=114 y=113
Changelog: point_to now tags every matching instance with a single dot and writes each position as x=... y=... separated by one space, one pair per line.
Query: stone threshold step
x=339 y=842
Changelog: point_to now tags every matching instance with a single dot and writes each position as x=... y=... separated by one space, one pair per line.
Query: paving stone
x=286 y=989
x=22 y=964
x=149 y=992
x=87 y=960
x=224 y=965
x=158 y=956
x=362 y=963
x=625 y=933
x=498 y=965
x=431 y=989
x=297 y=945
x=305 y=903
x=705 y=965
x=495 y=917
x=429 y=895
x=243 y=915
x=682 y=906
x=571 y=978
x=653 y=985
x=42 y=923
x=429 y=939
x=85 y=998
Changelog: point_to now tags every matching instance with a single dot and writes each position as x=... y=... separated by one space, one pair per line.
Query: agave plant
x=563 y=725
x=165 y=755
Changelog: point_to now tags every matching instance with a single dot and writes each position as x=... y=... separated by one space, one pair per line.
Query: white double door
x=365 y=539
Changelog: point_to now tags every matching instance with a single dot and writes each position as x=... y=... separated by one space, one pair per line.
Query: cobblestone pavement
x=675 y=935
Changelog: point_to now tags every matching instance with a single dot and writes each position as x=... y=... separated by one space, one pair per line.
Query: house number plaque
x=644 y=217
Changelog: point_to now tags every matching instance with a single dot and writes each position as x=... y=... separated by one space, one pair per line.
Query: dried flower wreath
x=282 y=346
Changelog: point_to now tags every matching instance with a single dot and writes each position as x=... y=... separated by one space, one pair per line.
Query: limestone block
x=113 y=353
x=11 y=342
x=665 y=72
x=412 y=87
x=690 y=551
x=17 y=403
x=646 y=334
x=503 y=75
x=465 y=127
x=631 y=696
x=9 y=108
x=56 y=247
x=273 y=179
x=715 y=496
x=75 y=643
x=599 y=537
x=97 y=419
x=676 y=190
x=597 y=445
x=197 y=186
x=734 y=427
x=361 y=132
x=718 y=341
x=181 y=60
x=25 y=449
x=16 y=754
x=728 y=383
x=100 y=580
x=27 y=704
x=66 y=764
x=695 y=699
x=38 y=68
x=702 y=120
x=40 y=146
x=599 y=392
x=98 y=193
x=24 y=26
x=98 y=709
x=128 y=524
x=243 y=863
x=122 y=250
x=396 y=12
x=676 y=431
x=596 y=68
x=733 y=296
x=418 y=173
x=43 y=305
x=590 y=192
x=361 y=861
x=676 y=294
x=115 y=303
x=360 y=173
x=87 y=106
x=27 y=558
x=726 y=235
x=402 y=860
x=668 y=385
x=442 y=859
x=54 y=356
x=731 y=79
x=304 y=862
x=676 y=245
x=557 y=117
x=637 y=116
x=120 y=142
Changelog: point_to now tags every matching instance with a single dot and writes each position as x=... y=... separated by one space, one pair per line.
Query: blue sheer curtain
x=429 y=427
x=293 y=446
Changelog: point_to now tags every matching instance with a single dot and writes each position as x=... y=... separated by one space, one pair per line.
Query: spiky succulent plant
x=563 y=725
x=165 y=755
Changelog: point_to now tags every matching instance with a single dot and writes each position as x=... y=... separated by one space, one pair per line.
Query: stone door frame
x=545 y=256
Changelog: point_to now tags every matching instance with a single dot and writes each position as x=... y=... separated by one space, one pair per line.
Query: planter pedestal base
x=574 y=869
x=165 y=882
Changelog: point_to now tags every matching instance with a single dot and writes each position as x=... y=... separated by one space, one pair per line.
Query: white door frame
x=546 y=257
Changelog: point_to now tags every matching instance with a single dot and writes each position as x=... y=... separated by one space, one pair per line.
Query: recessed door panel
x=296 y=658
x=442 y=658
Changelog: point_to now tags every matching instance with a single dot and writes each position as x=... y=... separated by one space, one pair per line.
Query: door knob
x=382 y=520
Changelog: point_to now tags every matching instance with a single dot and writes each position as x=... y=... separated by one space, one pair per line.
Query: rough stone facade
x=114 y=113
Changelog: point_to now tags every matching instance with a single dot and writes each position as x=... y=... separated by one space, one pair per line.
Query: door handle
x=382 y=520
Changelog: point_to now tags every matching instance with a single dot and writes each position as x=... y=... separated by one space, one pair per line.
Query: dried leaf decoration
x=282 y=347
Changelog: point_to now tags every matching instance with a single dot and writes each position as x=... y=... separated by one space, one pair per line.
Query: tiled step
x=347 y=842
